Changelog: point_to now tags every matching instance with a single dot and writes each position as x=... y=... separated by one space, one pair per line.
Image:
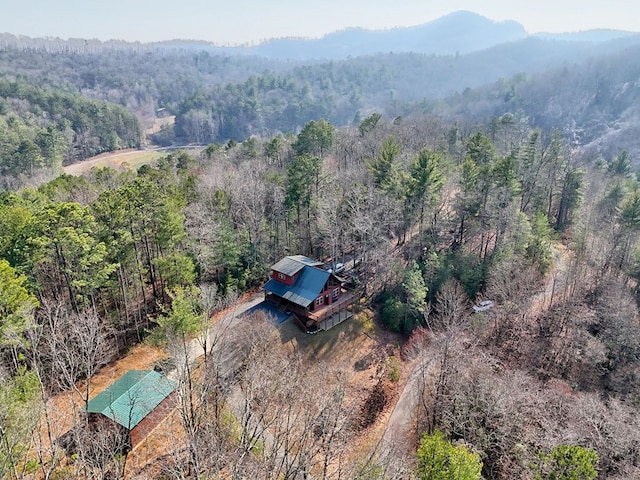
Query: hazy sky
x=231 y=22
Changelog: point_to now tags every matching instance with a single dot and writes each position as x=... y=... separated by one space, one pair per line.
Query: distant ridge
x=460 y=32
x=588 y=35
x=457 y=33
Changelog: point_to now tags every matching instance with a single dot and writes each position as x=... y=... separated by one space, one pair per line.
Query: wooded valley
x=441 y=194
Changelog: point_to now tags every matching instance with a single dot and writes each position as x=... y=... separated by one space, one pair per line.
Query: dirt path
x=557 y=282
x=216 y=332
x=348 y=346
x=345 y=345
x=62 y=409
x=399 y=425
x=143 y=458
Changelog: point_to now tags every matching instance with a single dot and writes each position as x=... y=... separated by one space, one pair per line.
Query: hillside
x=477 y=186
x=436 y=216
x=457 y=33
x=218 y=98
x=44 y=128
x=594 y=102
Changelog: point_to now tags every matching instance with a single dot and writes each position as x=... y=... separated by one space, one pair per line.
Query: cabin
x=317 y=298
x=134 y=404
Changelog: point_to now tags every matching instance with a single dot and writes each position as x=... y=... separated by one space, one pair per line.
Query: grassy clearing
x=130 y=159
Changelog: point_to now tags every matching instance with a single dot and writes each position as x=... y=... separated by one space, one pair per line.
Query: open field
x=158 y=123
x=122 y=159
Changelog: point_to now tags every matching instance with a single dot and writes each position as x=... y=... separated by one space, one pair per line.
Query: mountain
x=459 y=32
x=216 y=95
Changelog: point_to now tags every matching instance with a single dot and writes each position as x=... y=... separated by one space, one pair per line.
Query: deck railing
x=346 y=299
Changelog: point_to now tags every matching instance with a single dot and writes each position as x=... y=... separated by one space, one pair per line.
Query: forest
x=516 y=193
x=585 y=88
x=42 y=129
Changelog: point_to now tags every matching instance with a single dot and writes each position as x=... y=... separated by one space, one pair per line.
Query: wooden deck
x=346 y=299
x=324 y=318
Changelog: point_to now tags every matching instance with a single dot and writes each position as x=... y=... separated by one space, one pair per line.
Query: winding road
x=399 y=426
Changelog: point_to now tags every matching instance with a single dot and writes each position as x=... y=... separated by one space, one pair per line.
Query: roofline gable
x=292 y=264
x=132 y=397
x=305 y=290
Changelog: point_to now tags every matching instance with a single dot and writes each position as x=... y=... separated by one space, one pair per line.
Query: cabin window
x=282 y=276
x=319 y=300
x=336 y=291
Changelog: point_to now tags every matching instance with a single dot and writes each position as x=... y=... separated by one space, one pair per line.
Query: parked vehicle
x=340 y=267
x=483 y=306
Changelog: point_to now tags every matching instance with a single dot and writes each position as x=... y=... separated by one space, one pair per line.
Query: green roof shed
x=132 y=397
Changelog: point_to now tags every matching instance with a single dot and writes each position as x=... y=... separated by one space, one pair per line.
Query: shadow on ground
x=269 y=310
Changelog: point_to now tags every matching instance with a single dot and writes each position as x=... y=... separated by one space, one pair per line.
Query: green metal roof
x=132 y=397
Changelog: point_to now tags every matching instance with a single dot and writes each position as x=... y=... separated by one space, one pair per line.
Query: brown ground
x=121 y=159
x=125 y=158
x=62 y=408
x=361 y=349
x=158 y=123
x=142 y=460
x=356 y=346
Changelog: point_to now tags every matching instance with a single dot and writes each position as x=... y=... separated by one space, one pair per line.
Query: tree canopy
x=438 y=459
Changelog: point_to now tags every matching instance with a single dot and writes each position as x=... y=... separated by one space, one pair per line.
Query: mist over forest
x=478 y=201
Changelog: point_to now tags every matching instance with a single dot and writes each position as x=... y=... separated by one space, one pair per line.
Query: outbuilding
x=138 y=401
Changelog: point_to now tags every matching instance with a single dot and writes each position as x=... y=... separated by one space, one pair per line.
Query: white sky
x=231 y=22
